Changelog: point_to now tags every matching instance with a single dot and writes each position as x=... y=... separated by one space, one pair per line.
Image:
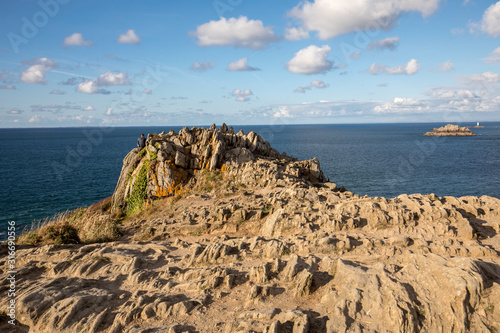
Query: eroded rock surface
x=267 y=248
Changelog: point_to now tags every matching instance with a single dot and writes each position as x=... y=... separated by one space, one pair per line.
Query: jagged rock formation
x=266 y=246
x=172 y=162
x=450 y=130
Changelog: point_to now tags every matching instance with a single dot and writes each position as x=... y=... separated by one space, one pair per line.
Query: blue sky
x=125 y=63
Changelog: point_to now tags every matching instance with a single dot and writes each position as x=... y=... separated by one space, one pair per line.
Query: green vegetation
x=153 y=155
x=286 y=251
x=136 y=200
x=267 y=209
x=142 y=152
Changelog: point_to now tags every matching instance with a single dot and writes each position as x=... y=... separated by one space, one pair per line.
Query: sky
x=67 y=63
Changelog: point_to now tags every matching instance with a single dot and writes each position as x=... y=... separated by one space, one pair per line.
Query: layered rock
x=450 y=130
x=173 y=162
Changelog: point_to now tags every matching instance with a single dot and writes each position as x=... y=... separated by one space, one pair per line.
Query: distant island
x=450 y=130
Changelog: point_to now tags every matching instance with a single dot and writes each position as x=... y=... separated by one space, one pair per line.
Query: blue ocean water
x=50 y=170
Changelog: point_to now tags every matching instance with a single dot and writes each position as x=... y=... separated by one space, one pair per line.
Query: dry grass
x=79 y=226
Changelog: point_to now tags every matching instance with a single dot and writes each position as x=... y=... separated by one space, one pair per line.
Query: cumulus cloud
x=90 y=87
x=410 y=68
x=319 y=84
x=302 y=89
x=89 y=108
x=113 y=79
x=36 y=72
x=490 y=23
x=201 y=67
x=57 y=92
x=242 y=95
x=333 y=18
x=106 y=79
x=296 y=33
x=446 y=66
x=390 y=43
x=37 y=119
x=76 y=39
x=283 y=112
x=241 y=65
x=494 y=56
x=311 y=60
x=129 y=37
x=237 y=32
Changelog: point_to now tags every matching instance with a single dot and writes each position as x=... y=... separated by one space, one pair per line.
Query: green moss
x=153 y=155
x=136 y=200
x=142 y=152
x=157 y=145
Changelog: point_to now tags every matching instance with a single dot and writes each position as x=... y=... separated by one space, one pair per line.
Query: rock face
x=450 y=130
x=267 y=245
x=172 y=163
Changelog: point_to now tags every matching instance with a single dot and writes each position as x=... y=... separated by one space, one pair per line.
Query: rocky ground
x=450 y=130
x=259 y=242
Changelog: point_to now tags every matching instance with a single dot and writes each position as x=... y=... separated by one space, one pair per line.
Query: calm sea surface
x=46 y=171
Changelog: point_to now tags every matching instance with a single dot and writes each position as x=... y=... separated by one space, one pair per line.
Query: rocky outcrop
x=267 y=245
x=172 y=163
x=450 y=130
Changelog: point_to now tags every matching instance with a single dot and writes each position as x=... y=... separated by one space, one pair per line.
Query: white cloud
x=76 y=39
x=446 y=66
x=296 y=33
x=390 y=43
x=319 y=84
x=333 y=18
x=311 y=60
x=237 y=32
x=486 y=77
x=201 y=67
x=89 y=108
x=37 y=119
x=494 y=56
x=283 y=112
x=129 y=38
x=242 y=95
x=88 y=87
x=241 y=65
x=302 y=89
x=410 y=68
x=36 y=72
x=490 y=23
x=14 y=111
x=57 y=92
x=113 y=79
x=109 y=112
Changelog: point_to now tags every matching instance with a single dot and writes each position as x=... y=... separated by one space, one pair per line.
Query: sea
x=46 y=171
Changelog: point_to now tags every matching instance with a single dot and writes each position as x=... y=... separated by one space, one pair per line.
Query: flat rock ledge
x=450 y=130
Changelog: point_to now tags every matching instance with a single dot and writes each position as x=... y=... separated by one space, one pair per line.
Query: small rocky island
x=210 y=230
x=450 y=130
